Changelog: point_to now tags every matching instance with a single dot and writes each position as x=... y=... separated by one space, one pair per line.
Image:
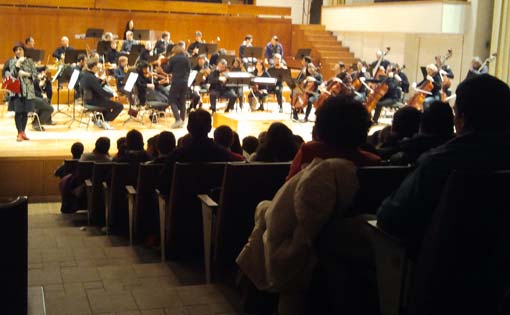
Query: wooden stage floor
x=57 y=140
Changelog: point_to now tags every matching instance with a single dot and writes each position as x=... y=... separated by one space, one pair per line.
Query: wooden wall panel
x=48 y=25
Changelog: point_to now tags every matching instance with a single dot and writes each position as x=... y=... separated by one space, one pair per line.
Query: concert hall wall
x=48 y=25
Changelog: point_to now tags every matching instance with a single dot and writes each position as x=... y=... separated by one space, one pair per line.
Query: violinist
x=112 y=55
x=310 y=86
x=145 y=86
x=434 y=77
x=200 y=83
x=43 y=94
x=179 y=67
x=60 y=53
x=195 y=46
x=120 y=74
x=391 y=97
x=272 y=48
x=258 y=92
x=218 y=87
x=277 y=90
x=128 y=43
x=162 y=44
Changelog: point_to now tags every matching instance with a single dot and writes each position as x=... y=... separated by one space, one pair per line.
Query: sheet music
x=192 y=76
x=264 y=80
x=74 y=79
x=130 y=82
x=57 y=75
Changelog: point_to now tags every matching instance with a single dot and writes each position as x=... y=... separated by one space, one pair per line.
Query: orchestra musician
x=130 y=26
x=146 y=86
x=162 y=44
x=146 y=52
x=310 y=84
x=107 y=37
x=392 y=96
x=112 y=55
x=200 y=83
x=128 y=43
x=258 y=92
x=445 y=70
x=218 y=87
x=94 y=94
x=60 y=53
x=179 y=67
x=384 y=63
x=434 y=77
x=29 y=43
x=42 y=99
x=195 y=46
x=305 y=61
x=247 y=42
x=120 y=74
x=24 y=70
x=272 y=47
x=476 y=68
x=237 y=66
x=404 y=81
x=278 y=89
x=215 y=57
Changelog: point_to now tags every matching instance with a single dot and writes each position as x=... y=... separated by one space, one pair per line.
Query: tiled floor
x=82 y=272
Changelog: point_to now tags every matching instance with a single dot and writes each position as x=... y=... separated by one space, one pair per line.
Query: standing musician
x=258 y=92
x=310 y=86
x=128 y=43
x=60 y=53
x=218 y=88
x=434 y=77
x=162 y=44
x=94 y=94
x=195 y=46
x=22 y=69
x=200 y=83
x=179 y=67
x=278 y=89
x=272 y=48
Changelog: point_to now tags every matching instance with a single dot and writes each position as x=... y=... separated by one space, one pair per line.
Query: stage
x=27 y=167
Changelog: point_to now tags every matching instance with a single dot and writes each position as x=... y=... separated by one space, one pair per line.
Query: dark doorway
x=315 y=12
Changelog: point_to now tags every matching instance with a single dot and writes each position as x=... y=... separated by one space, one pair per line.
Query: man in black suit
x=180 y=67
x=162 y=44
x=94 y=94
x=60 y=52
x=218 y=88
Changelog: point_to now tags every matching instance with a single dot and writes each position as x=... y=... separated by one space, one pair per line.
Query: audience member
x=152 y=149
x=165 y=145
x=299 y=140
x=406 y=123
x=236 y=145
x=224 y=137
x=199 y=148
x=341 y=127
x=100 y=153
x=482 y=143
x=436 y=128
x=278 y=145
x=76 y=150
x=121 y=149
x=135 y=152
x=250 y=145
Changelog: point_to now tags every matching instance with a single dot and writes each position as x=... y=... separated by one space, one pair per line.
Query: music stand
x=193 y=61
x=142 y=34
x=238 y=79
x=133 y=59
x=202 y=49
x=128 y=87
x=211 y=48
x=103 y=47
x=283 y=75
x=229 y=58
x=169 y=49
x=72 y=83
x=252 y=52
x=72 y=55
x=63 y=75
x=137 y=49
x=34 y=54
x=302 y=52
x=94 y=33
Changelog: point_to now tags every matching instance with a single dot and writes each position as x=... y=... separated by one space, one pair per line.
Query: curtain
x=500 y=41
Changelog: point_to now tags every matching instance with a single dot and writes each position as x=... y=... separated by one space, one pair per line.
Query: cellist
x=310 y=85
x=392 y=96
x=434 y=77
x=446 y=72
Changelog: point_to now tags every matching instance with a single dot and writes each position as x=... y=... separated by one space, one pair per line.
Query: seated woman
x=341 y=128
x=257 y=91
x=278 y=145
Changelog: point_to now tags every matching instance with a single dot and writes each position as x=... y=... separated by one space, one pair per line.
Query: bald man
x=60 y=52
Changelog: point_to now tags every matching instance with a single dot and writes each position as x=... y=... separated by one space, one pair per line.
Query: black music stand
x=228 y=58
x=283 y=75
x=237 y=80
x=73 y=80
x=210 y=48
x=193 y=61
x=35 y=54
x=169 y=49
x=303 y=52
x=63 y=75
x=133 y=59
x=252 y=52
x=137 y=49
x=94 y=33
x=141 y=34
x=72 y=55
x=103 y=47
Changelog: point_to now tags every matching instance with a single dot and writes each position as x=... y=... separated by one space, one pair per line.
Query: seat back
x=101 y=173
x=122 y=174
x=14 y=234
x=376 y=183
x=244 y=186
x=184 y=232
x=83 y=171
x=146 y=204
x=70 y=165
x=463 y=267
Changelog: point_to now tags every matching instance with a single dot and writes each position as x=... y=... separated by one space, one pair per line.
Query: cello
x=421 y=93
x=376 y=96
x=333 y=88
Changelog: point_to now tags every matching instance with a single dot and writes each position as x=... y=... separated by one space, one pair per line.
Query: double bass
x=446 y=83
x=378 y=70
